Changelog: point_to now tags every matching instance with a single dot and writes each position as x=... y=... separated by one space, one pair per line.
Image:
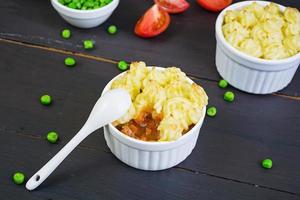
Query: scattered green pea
x=70 y=62
x=223 y=83
x=122 y=65
x=52 y=137
x=267 y=163
x=66 y=33
x=211 y=111
x=18 y=178
x=229 y=96
x=46 y=99
x=112 y=29
x=88 y=44
x=85 y=4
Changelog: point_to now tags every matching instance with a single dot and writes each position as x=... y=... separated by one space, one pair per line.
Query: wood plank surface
x=89 y=174
x=189 y=42
x=246 y=131
x=230 y=146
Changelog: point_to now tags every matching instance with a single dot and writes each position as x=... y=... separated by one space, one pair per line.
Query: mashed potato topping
x=165 y=96
x=263 y=32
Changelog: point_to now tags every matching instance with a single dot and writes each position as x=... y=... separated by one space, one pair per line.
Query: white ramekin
x=85 y=18
x=248 y=73
x=150 y=155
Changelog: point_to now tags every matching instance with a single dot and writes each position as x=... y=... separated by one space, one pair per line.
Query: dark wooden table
x=225 y=163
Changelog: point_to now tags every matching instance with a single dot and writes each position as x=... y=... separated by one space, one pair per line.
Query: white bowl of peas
x=85 y=13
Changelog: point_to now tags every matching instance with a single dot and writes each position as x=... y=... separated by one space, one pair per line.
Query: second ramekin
x=248 y=73
x=150 y=155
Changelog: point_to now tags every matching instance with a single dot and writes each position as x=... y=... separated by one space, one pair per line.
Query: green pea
x=66 y=33
x=267 y=163
x=88 y=44
x=70 y=62
x=122 y=65
x=223 y=83
x=46 y=99
x=112 y=29
x=62 y=2
x=18 y=178
x=52 y=137
x=88 y=4
x=211 y=111
x=78 y=5
x=229 y=96
x=107 y=1
x=72 y=5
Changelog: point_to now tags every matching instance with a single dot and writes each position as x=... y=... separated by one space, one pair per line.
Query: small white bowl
x=150 y=155
x=85 y=18
x=248 y=73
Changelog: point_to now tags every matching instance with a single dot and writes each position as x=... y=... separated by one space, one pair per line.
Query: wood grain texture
x=98 y=175
x=245 y=132
x=189 y=42
x=229 y=148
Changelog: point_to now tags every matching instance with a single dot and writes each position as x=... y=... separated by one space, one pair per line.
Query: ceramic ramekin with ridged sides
x=248 y=73
x=85 y=18
x=150 y=155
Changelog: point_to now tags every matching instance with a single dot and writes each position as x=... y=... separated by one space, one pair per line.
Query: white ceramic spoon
x=110 y=107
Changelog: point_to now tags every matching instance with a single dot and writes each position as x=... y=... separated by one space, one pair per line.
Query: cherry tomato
x=214 y=5
x=152 y=23
x=173 y=6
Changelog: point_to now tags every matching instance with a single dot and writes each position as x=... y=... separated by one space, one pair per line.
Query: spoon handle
x=110 y=106
x=52 y=164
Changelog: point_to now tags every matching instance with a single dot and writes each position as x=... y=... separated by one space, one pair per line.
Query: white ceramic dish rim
x=220 y=36
x=153 y=145
x=86 y=13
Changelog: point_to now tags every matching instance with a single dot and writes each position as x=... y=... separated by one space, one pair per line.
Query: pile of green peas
x=84 y=4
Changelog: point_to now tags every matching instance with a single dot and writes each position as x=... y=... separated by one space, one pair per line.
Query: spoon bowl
x=110 y=106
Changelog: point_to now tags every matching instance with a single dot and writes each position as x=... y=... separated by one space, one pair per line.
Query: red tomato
x=214 y=5
x=173 y=6
x=152 y=23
